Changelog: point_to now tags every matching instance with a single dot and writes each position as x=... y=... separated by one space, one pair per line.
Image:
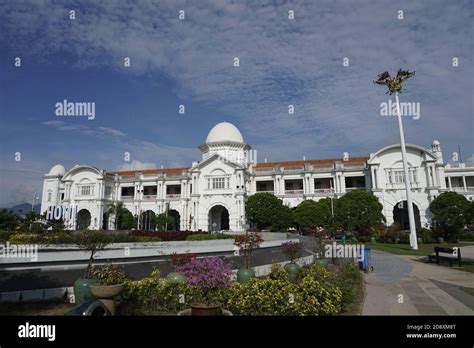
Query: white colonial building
x=211 y=194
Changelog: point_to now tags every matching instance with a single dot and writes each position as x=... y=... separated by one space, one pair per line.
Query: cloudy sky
x=191 y=62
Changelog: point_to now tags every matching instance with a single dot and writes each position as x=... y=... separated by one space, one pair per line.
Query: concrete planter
x=106 y=291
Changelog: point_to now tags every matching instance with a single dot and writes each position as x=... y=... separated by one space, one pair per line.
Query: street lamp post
x=394 y=85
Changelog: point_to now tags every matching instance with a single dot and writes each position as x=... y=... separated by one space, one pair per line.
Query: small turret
x=436 y=150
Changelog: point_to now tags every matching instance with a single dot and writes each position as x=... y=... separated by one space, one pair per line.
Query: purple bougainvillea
x=209 y=273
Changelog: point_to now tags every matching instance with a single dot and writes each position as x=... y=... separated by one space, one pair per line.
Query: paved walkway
x=400 y=285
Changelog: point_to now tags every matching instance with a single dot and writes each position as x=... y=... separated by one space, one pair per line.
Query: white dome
x=436 y=142
x=224 y=131
x=57 y=170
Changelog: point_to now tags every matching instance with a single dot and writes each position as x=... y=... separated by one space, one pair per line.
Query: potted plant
x=176 y=261
x=94 y=242
x=293 y=251
x=247 y=242
x=111 y=281
x=209 y=274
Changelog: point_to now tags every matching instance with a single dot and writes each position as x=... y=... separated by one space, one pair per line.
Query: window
x=50 y=194
x=108 y=190
x=398 y=177
x=218 y=183
x=85 y=190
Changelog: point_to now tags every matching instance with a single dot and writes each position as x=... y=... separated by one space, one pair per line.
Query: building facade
x=211 y=194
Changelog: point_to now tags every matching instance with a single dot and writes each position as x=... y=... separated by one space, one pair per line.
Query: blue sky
x=190 y=62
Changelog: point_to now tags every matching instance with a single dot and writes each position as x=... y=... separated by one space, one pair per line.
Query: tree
x=117 y=209
x=8 y=220
x=451 y=212
x=264 y=210
x=358 y=211
x=310 y=214
x=94 y=242
x=160 y=221
x=128 y=220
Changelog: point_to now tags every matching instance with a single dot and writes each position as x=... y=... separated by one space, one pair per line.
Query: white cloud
x=283 y=62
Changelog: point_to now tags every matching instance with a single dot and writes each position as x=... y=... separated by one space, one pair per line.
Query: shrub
x=208 y=273
x=292 y=250
x=148 y=239
x=24 y=238
x=58 y=238
x=5 y=235
x=164 y=222
x=316 y=293
x=313 y=295
x=162 y=235
x=248 y=242
x=153 y=293
x=92 y=241
x=109 y=274
x=451 y=212
x=181 y=259
x=209 y=236
x=346 y=277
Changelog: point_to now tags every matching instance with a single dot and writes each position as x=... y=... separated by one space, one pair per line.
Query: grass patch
x=405 y=249
x=470 y=291
x=356 y=307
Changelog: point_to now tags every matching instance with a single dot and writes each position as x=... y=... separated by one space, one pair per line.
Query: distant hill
x=24 y=208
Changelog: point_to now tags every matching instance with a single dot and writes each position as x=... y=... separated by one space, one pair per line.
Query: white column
x=464 y=182
x=449 y=183
x=411 y=215
x=430 y=176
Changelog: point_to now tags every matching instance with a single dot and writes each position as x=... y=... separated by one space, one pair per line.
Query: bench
x=455 y=254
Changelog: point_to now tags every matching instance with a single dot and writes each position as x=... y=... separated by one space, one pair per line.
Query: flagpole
x=411 y=215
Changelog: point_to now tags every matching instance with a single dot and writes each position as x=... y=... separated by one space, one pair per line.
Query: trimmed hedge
x=208 y=236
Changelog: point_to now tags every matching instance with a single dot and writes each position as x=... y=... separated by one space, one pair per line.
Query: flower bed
x=318 y=292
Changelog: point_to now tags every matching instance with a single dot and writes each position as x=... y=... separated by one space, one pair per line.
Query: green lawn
x=405 y=249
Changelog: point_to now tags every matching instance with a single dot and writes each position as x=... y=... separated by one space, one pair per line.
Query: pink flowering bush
x=292 y=250
x=208 y=273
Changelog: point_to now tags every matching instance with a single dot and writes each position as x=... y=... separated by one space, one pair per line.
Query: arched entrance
x=218 y=218
x=400 y=215
x=105 y=221
x=147 y=221
x=176 y=217
x=83 y=219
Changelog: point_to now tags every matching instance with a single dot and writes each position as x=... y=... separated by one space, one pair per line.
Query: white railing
x=270 y=191
x=264 y=170
x=126 y=198
x=173 y=195
x=149 y=197
x=324 y=192
x=293 y=169
x=462 y=189
x=293 y=193
x=349 y=189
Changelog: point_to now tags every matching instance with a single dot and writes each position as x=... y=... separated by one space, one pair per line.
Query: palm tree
x=117 y=209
